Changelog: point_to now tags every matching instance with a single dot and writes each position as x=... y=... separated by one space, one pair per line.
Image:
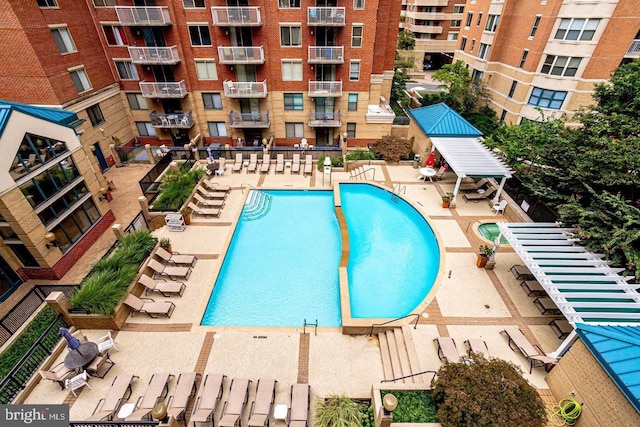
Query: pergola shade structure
x=581 y=283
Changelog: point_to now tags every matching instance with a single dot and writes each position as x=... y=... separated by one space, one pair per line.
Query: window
x=356 y=36
x=217 y=129
x=353 y=102
x=127 y=70
x=513 y=89
x=199 y=35
x=351 y=130
x=48 y=184
x=290 y=36
x=80 y=80
x=492 y=23
x=35 y=151
x=469 y=19
x=294 y=130
x=137 y=101
x=503 y=116
x=293 y=101
x=47 y=3
x=473 y=45
x=524 y=58
x=476 y=76
x=456 y=23
x=536 y=23
x=463 y=43
x=212 y=101
x=452 y=35
x=547 y=98
x=358 y=4
x=95 y=115
x=287 y=4
x=145 y=129
x=206 y=69
x=459 y=8
x=483 y=51
x=479 y=19
x=63 y=40
x=560 y=65
x=115 y=35
x=193 y=3
x=576 y=29
x=354 y=70
x=103 y=3
x=292 y=70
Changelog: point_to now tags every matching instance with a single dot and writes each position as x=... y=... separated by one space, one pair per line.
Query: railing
x=143 y=15
x=325 y=119
x=137 y=223
x=249 y=120
x=154 y=55
x=245 y=89
x=113 y=423
x=326 y=55
x=430 y=29
x=325 y=16
x=634 y=49
x=401 y=120
x=130 y=154
x=399 y=188
x=241 y=54
x=315 y=327
x=236 y=16
x=163 y=89
x=325 y=88
x=393 y=320
x=362 y=173
x=174 y=120
x=412 y=375
x=148 y=183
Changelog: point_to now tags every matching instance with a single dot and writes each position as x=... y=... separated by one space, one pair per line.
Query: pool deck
x=469 y=303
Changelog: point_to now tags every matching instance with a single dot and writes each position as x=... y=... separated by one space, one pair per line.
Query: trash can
x=416 y=161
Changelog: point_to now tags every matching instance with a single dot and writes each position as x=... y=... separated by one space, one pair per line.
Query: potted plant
x=483 y=255
x=166 y=244
x=186 y=214
x=446 y=199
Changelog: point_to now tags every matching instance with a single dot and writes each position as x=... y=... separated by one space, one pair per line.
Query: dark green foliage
x=406 y=40
x=398 y=91
x=336 y=411
x=414 y=406
x=336 y=162
x=176 y=187
x=361 y=155
x=484 y=392
x=392 y=148
x=367 y=418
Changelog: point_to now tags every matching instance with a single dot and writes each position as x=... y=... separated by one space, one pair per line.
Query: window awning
x=468 y=157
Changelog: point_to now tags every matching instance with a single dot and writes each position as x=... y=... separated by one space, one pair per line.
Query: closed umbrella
x=72 y=342
x=431 y=161
x=210 y=155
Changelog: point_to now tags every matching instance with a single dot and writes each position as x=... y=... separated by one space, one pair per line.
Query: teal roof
x=55 y=115
x=617 y=348
x=442 y=120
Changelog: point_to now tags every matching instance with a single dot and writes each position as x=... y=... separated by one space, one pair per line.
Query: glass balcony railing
x=163 y=89
x=245 y=89
x=143 y=16
x=241 y=54
x=326 y=16
x=325 y=88
x=154 y=55
x=325 y=119
x=236 y=16
x=326 y=55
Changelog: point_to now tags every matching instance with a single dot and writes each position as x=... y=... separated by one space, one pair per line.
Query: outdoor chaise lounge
x=233 y=407
x=546 y=305
x=237 y=165
x=253 y=163
x=308 y=165
x=149 y=306
x=56 y=374
x=165 y=288
x=211 y=195
x=156 y=390
x=300 y=406
x=295 y=164
x=261 y=407
x=479 y=346
x=178 y=402
x=176 y=257
x=107 y=406
x=266 y=163
x=521 y=272
x=533 y=288
x=214 y=186
x=447 y=350
x=206 y=212
x=561 y=327
x=534 y=354
x=476 y=197
x=474 y=186
x=212 y=203
x=169 y=271
x=280 y=163
x=207 y=399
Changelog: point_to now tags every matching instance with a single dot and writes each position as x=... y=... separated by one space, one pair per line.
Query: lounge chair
x=97 y=365
x=185 y=388
x=57 y=374
x=175 y=257
x=211 y=194
x=233 y=407
x=149 y=306
x=206 y=212
x=266 y=163
x=447 y=350
x=165 y=288
x=237 y=165
x=214 y=186
x=533 y=288
x=202 y=202
x=207 y=399
x=476 y=197
x=473 y=186
x=253 y=163
x=295 y=164
x=156 y=390
x=534 y=354
x=300 y=406
x=561 y=327
x=169 y=271
x=280 y=163
x=108 y=406
x=479 y=346
x=521 y=272
x=308 y=165
x=546 y=305
x=261 y=407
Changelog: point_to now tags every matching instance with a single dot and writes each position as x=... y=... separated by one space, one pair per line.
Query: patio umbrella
x=72 y=342
x=431 y=161
x=210 y=155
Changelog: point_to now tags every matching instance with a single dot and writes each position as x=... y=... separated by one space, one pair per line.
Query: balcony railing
x=154 y=55
x=326 y=16
x=249 y=120
x=319 y=89
x=173 y=121
x=381 y=113
x=163 y=89
x=236 y=16
x=326 y=55
x=143 y=16
x=245 y=89
x=634 y=49
x=241 y=54
x=427 y=29
x=325 y=119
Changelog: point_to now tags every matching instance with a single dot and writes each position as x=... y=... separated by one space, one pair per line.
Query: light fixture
x=103 y=194
x=159 y=412
x=51 y=240
x=390 y=402
x=327 y=161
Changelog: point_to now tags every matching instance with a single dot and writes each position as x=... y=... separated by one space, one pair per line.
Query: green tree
x=391 y=148
x=398 y=91
x=406 y=40
x=455 y=78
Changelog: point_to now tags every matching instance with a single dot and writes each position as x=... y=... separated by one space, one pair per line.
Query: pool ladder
x=257 y=205
x=397 y=189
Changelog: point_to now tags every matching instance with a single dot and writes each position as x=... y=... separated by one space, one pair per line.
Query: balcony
x=325 y=17
x=328 y=88
x=245 y=89
x=427 y=29
x=326 y=55
x=249 y=120
x=154 y=55
x=327 y=120
x=634 y=50
x=171 y=121
x=143 y=16
x=236 y=16
x=163 y=89
x=241 y=54
x=381 y=113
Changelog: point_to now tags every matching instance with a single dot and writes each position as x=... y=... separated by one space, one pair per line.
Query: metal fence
x=148 y=182
x=113 y=423
x=130 y=154
x=138 y=223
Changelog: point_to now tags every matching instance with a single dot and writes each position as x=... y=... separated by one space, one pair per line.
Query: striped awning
x=581 y=283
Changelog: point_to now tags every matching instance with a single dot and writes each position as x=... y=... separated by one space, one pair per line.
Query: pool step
x=399 y=356
x=257 y=205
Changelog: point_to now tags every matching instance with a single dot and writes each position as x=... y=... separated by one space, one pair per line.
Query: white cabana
x=581 y=283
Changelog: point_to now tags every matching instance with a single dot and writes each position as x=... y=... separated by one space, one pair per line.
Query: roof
x=617 y=349
x=55 y=115
x=442 y=120
x=470 y=157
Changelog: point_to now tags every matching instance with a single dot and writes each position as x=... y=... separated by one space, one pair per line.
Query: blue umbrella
x=72 y=342
x=210 y=155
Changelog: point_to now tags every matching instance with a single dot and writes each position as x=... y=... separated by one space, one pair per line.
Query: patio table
x=76 y=359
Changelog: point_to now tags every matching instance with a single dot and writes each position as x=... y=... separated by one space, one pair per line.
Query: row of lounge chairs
x=448 y=352
x=533 y=288
x=209 y=199
x=265 y=165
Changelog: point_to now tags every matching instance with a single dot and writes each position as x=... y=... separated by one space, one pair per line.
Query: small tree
x=406 y=40
x=392 y=148
x=481 y=392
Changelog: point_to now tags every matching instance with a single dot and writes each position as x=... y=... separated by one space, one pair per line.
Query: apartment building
x=546 y=54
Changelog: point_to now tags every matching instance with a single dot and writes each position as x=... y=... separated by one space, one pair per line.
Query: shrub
x=392 y=148
x=336 y=162
x=361 y=155
x=337 y=411
x=414 y=406
x=176 y=187
x=367 y=418
x=481 y=392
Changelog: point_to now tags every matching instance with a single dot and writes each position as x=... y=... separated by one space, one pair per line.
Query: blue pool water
x=394 y=255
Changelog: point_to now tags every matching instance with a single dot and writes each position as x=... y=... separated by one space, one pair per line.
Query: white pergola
x=469 y=157
x=581 y=283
